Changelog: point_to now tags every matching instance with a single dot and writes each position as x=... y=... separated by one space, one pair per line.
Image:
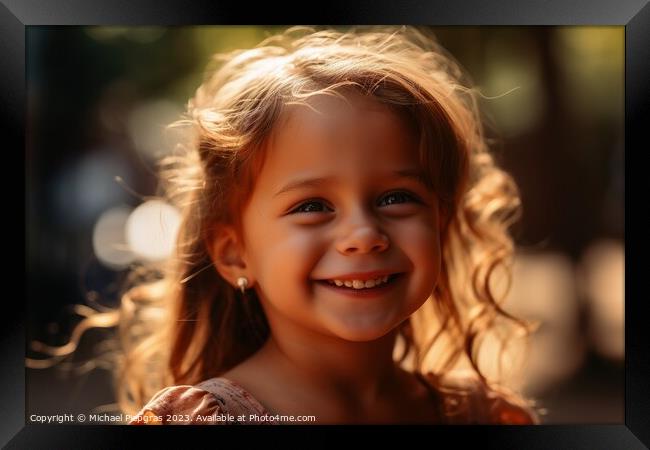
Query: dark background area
x=99 y=97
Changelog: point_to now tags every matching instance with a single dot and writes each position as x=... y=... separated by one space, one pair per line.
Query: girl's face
x=339 y=199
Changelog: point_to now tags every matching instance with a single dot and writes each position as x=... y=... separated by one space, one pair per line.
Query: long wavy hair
x=191 y=325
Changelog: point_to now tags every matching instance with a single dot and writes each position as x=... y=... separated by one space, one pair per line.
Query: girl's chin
x=361 y=336
x=360 y=331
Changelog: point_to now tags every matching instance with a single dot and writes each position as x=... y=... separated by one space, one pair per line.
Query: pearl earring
x=242 y=282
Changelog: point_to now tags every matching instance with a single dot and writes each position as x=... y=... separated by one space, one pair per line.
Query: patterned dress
x=461 y=399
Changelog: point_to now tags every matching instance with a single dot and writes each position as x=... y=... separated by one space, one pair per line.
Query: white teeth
x=360 y=284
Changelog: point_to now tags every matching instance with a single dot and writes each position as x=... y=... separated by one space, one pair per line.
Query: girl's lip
x=365 y=292
x=364 y=276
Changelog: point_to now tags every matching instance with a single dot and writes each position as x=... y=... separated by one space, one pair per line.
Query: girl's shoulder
x=217 y=401
x=465 y=399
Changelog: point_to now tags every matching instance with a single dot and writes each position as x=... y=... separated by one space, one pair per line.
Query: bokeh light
x=544 y=291
x=88 y=187
x=514 y=92
x=109 y=239
x=151 y=230
x=147 y=125
x=602 y=274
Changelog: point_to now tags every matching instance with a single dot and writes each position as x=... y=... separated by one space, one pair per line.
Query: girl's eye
x=311 y=206
x=396 y=197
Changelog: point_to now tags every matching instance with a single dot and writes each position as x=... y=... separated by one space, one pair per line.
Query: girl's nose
x=363 y=239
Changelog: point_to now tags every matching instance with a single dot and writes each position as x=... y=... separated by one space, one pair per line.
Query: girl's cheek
x=291 y=252
x=418 y=231
x=421 y=244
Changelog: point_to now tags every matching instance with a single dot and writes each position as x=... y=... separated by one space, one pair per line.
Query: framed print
x=538 y=106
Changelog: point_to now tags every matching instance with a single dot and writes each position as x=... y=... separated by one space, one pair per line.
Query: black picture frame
x=16 y=15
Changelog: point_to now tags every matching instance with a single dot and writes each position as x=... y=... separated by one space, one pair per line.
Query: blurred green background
x=100 y=97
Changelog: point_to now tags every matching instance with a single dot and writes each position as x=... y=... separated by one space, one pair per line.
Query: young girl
x=342 y=225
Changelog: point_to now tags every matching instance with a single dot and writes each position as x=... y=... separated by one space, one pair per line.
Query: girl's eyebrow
x=413 y=174
x=304 y=183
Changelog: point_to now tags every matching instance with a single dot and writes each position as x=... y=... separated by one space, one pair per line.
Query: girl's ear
x=226 y=253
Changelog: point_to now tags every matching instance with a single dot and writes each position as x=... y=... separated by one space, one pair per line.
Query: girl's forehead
x=343 y=122
x=332 y=135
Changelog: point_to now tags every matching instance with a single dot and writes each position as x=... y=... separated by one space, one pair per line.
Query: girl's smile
x=362 y=284
x=358 y=289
